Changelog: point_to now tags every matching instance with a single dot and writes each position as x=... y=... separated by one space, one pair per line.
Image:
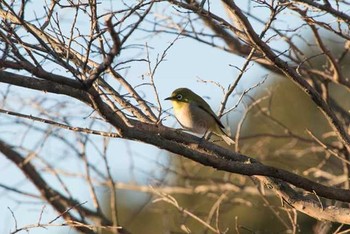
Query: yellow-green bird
x=195 y=114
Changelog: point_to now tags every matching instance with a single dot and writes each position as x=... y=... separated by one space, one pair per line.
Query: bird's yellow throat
x=178 y=105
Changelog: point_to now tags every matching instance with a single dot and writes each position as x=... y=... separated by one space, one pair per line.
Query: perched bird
x=195 y=114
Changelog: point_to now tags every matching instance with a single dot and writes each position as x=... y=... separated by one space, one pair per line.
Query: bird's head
x=182 y=95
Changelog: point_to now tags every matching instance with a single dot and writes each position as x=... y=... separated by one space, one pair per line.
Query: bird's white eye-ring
x=179 y=97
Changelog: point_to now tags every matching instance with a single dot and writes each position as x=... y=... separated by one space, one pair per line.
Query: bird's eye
x=179 y=97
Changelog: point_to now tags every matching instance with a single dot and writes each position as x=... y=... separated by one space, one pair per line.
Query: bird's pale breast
x=193 y=117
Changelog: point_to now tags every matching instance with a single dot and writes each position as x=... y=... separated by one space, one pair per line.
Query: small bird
x=195 y=114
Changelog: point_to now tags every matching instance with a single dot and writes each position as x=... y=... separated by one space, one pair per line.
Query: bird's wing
x=209 y=111
x=205 y=106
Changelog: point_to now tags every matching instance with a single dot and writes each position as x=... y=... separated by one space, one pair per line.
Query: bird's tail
x=221 y=133
x=227 y=139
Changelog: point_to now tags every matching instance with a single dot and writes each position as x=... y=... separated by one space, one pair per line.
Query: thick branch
x=181 y=143
x=212 y=155
x=43 y=85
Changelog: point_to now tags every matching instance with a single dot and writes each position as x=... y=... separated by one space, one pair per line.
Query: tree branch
x=292 y=74
x=59 y=202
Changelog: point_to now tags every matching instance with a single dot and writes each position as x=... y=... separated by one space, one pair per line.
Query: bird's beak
x=169 y=98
